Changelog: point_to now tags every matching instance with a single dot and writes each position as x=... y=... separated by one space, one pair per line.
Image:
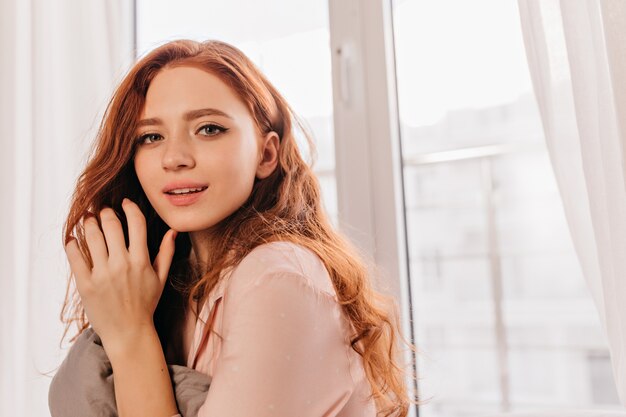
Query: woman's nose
x=178 y=154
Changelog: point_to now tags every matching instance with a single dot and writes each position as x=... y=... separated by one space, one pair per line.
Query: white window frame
x=368 y=158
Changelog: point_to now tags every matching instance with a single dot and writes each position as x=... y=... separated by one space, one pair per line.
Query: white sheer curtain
x=576 y=52
x=59 y=61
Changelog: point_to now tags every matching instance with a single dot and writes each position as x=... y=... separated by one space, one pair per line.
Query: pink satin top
x=276 y=342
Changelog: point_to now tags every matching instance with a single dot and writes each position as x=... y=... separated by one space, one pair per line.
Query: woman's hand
x=122 y=290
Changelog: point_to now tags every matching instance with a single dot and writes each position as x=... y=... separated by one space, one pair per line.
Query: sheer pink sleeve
x=284 y=351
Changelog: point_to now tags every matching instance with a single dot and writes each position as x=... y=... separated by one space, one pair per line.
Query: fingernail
x=124 y=200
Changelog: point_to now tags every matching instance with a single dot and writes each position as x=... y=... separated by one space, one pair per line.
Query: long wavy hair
x=284 y=206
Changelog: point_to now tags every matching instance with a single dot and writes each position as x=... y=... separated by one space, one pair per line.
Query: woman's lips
x=185 y=199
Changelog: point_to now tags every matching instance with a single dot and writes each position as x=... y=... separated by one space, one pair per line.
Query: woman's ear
x=268 y=158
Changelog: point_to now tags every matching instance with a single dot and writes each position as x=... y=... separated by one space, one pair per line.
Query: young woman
x=196 y=236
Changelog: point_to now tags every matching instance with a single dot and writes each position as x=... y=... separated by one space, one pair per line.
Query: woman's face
x=194 y=132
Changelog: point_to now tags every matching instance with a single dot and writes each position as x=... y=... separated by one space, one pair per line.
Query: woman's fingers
x=107 y=245
x=79 y=267
x=138 y=246
x=163 y=260
x=95 y=242
x=114 y=234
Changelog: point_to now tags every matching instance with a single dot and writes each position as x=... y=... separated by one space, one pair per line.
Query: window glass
x=502 y=313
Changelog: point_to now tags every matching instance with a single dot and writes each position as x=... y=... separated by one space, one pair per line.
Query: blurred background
x=490 y=287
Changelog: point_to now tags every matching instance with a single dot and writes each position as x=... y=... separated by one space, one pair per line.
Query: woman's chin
x=190 y=227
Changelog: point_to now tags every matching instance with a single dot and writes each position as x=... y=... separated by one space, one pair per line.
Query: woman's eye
x=212 y=130
x=150 y=136
x=208 y=130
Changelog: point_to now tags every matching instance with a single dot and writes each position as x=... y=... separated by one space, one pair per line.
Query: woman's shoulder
x=282 y=258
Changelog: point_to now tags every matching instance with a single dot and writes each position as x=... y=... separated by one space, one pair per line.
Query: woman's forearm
x=141 y=378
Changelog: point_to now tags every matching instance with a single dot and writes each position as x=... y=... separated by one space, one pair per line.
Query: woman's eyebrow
x=190 y=115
